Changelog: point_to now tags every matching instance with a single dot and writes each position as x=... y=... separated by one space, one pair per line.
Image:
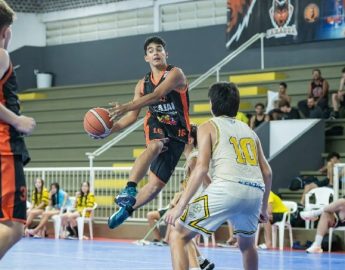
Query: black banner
x=285 y=21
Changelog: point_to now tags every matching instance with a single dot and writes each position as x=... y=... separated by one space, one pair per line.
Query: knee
x=246 y=244
x=150 y=216
x=155 y=147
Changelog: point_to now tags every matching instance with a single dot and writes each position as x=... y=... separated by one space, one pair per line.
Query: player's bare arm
x=175 y=80
x=198 y=174
x=21 y=123
x=132 y=116
x=267 y=177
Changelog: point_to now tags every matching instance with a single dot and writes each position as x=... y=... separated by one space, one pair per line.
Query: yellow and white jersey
x=234 y=155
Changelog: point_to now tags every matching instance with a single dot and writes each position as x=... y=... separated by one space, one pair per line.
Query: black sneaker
x=207 y=265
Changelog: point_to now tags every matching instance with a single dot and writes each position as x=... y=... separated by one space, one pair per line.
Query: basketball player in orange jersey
x=165 y=91
x=13 y=153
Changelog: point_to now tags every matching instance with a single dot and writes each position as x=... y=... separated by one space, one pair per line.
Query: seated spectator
x=83 y=199
x=318 y=92
x=259 y=116
x=39 y=202
x=276 y=210
x=332 y=215
x=332 y=159
x=273 y=103
x=287 y=112
x=58 y=199
x=338 y=100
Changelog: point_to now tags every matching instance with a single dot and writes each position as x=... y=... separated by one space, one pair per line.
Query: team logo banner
x=285 y=21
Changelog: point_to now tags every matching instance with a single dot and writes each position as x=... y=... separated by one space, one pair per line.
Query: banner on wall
x=285 y=21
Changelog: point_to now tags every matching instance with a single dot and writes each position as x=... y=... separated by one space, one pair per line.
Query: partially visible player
x=241 y=182
x=165 y=90
x=13 y=153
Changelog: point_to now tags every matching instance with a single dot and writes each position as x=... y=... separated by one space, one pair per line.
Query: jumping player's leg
x=143 y=162
x=249 y=252
x=10 y=233
x=149 y=191
x=160 y=171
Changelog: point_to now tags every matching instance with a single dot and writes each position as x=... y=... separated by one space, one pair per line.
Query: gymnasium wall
x=195 y=50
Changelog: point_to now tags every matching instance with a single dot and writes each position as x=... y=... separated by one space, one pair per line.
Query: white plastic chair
x=284 y=223
x=322 y=196
x=82 y=220
x=57 y=218
x=330 y=234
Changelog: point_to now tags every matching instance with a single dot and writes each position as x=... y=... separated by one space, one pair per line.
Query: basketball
x=97 y=122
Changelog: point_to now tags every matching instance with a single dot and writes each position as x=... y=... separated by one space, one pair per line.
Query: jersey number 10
x=245 y=150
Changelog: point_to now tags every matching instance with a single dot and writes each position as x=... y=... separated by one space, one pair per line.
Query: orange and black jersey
x=171 y=114
x=11 y=141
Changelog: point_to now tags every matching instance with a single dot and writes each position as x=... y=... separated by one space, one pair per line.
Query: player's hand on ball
x=173 y=215
x=117 y=110
x=25 y=124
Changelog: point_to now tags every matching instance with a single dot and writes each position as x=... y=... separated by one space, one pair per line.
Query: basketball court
x=102 y=254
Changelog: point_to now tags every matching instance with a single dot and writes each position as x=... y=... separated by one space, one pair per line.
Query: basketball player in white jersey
x=241 y=182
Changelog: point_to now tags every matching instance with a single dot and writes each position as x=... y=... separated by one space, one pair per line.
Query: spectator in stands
x=332 y=159
x=259 y=116
x=287 y=112
x=317 y=92
x=338 y=100
x=83 y=199
x=39 y=202
x=58 y=199
x=273 y=103
x=276 y=210
x=332 y=215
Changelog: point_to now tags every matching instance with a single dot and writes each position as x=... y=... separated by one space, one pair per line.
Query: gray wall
x=195 y=50
x=302 y=154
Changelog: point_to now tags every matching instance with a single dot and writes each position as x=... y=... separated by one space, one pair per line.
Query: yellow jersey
x=85 y=202
x=41 y=197
x=277 y=204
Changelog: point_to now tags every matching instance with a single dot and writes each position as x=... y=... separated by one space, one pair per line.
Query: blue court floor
x=74 y=255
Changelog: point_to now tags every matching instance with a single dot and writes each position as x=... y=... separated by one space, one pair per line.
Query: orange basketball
x=97 y=122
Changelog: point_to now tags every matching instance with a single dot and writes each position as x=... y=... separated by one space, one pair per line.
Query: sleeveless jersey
x=11 y=141
x=234 y=157
x=316 y=88
x=172 y=111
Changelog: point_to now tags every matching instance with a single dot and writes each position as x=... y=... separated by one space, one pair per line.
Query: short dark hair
x=332 y=155
x=343 y=70
x=283 y=84
x=225 y=99
x=260 y=104
x=7 y=15
x=316 y=69
x=154 y=39
x=283 y=103
x=194 y=134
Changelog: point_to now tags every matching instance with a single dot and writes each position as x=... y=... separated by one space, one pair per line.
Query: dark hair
x=260 y=104
x=283 y=84
x=7 y=15
x=154 y=39
x=194 y=134
x=55 y=197
x=283 y=103
x=225 y=99
x=343 y=70
x=36 y=191
x=316 y=69
x=332 y=155
x=82 y=193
